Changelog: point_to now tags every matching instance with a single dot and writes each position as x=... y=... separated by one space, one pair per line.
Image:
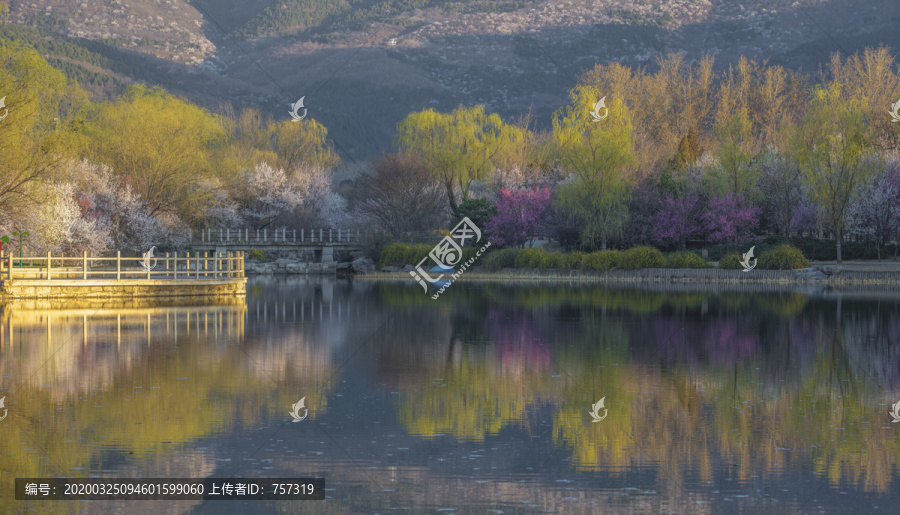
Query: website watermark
x=295 y=108
x=145 y=264
x=595 y=113
x=295 y=410
x=447 y=254
x=746 y=261
x=895 y=107
x=595 y=410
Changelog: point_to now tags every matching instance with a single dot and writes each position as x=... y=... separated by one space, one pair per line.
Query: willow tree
x=164 y=147
x=35 y=131
x=830 y=145
x=457 y=148
x=254 y=138
x=597 y=155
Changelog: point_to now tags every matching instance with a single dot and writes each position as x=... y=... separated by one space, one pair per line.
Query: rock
x=408 y=268
x=361 y=263
x=810 y=274
x=356 y=254
x=295 y=268
x=257 y=268
x=390 y=269
x=283 y=262
x=832 y=270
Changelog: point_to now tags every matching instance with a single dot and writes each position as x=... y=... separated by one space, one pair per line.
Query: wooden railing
x=196 y=265
x=276 y=236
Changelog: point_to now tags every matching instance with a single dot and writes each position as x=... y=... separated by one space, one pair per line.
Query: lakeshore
x=823 y=273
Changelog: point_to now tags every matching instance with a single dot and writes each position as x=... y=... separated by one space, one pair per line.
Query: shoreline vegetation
x=784 y=264
x=838 y=276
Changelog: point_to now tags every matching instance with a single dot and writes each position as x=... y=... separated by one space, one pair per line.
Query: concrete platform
x=124 y=288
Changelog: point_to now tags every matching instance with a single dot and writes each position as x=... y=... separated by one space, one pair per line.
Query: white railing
x=279 y=236
x=196 y=265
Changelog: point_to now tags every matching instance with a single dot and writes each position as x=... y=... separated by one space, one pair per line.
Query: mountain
x=362 y=65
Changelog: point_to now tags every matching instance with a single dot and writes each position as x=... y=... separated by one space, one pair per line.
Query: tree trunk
x=454 y=209
x=839 y=239
x=896 y=245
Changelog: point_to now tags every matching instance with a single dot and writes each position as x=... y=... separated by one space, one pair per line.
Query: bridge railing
x=196 y=265
x=281 y=235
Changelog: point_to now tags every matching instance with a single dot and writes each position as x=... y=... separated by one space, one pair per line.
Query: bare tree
x=400 y=196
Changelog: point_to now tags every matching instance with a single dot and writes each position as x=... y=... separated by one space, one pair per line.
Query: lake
x=482 y=401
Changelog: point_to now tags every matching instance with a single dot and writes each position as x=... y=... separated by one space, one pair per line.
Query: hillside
x=363 y=65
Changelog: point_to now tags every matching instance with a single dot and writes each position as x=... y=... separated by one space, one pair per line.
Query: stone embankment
x=300 y=266
x=823 y=275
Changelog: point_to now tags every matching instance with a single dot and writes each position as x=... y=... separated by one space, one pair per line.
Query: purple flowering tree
x=518 y=215
x=730 y=219
x=676 y=221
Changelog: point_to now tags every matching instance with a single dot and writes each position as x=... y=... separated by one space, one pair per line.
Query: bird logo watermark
x=595 y=113
x=6 y=411
x=895 y=107
x=145 y=264
x=295 y=107
x=595 y=410
x=3 y=106
x=746 y=261
x=894 y=414
x=295 y=410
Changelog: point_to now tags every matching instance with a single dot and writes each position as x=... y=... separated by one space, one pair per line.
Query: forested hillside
x=320 y=16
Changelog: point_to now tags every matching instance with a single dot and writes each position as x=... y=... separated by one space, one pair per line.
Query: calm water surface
x=477 y=402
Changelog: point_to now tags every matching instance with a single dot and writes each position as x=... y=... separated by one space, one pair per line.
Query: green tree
x=163 y=146
x=734 y=137
x=478 y=210
x=597 y=155
x=457 y=148
x=829 y=145
x=35 y=133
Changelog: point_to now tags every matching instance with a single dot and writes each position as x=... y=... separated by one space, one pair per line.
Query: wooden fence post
x=9 y=266
x=48 y=265
x=295 y=235
x=216 y=270
x=84 y=266
x=175 y=266
x=118 y=265
x=197 y=271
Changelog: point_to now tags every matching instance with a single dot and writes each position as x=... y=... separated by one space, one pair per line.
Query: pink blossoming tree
x=730 y=219
x=518 y=215
x=677 y=220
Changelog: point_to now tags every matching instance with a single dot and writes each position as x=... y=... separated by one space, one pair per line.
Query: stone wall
x=92 y=289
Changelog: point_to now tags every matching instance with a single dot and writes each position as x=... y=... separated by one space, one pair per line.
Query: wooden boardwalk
x=193 y=274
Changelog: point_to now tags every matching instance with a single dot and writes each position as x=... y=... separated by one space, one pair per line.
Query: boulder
x=257 y=268
x=356 y=254
x=283 y=263
x=830 y=270
x=408 y=268
x=810 y=274
x=295 y=268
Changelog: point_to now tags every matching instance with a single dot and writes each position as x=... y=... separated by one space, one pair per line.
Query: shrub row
x=782 y=257
x=599 y=261
x=401 y=254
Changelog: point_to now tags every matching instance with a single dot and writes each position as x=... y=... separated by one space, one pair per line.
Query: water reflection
x=767 y=401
